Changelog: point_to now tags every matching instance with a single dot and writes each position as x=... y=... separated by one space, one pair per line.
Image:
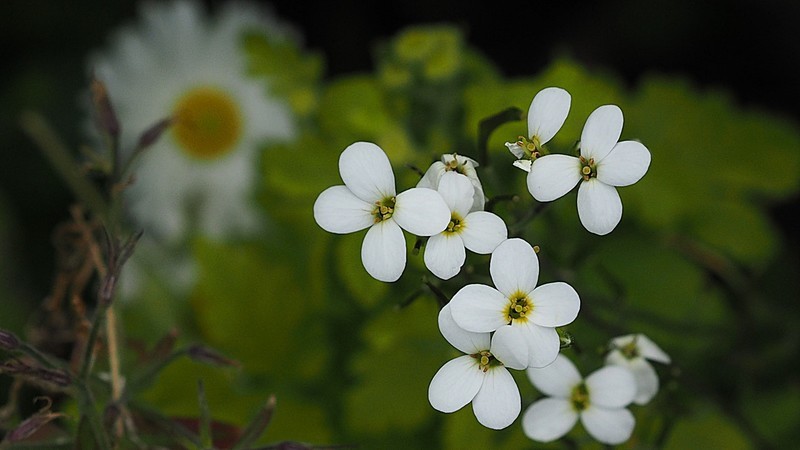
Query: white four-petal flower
x=368 y=200
x=459 y=164
x=599 y=401
x=546 y=115
x=479 y=231
x=604 y=164
x=633 y=352
x=521 y=314
x=480 y=376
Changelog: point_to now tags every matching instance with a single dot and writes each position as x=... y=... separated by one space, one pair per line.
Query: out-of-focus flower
x=458 y=164
x=604 y=164
x=180 y=63
x=479 y=231
x=480 y=376
x=546 y=115
x=517 y=310
x=599 y=401
x=368 y=199
x=633 y=352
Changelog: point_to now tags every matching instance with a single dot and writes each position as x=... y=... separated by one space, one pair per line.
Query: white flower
x=599 y=401
x=459 y=164
x=368 y=200
x=517 y=310
x=480 y=376
x=633 y=352
x=546 y=115
x=478 y=231
x=177 y=62
x=603 y=165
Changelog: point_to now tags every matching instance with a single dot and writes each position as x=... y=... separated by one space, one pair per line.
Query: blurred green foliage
x=696 y=264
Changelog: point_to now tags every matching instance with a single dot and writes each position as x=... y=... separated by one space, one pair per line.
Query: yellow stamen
x=207 y=124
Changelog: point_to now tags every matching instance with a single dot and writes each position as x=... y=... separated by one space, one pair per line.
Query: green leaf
x=707 y=429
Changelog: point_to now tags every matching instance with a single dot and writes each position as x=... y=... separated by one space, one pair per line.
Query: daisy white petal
x=509 y=347
x=611 y=387
x=514 y=267
x=609 y=426
x=601 y=132
x=383 y=251
x=337 y=210
x=524 y=164
x=431 y=177
x=421 y=211
x=599 y=206
x=552 y=176
x=549 y=419
x=543 y=344
x=445 y=254
x=456 y=190
x=547 y=113
x=465 y=341
x=516 y=150
x=498 y=403
x=479 y=308
x=455 y=384
x=556 y=379
x=367 y=172
x=626 y=164
x=646 y=379
x=555 y=304
x=483 y=231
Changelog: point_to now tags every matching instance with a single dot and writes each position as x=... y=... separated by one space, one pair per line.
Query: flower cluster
x=514 y=323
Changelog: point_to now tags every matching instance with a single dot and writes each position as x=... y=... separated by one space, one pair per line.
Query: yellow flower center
x=532 y=147
x=207 y=123
x=383 y=209
x=588 y=168
x=580 y=397
x=486 y=360
x=519 y=306
x=455 y=224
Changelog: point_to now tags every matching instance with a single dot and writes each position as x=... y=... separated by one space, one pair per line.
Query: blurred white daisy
x=634 y=351
x=180 y=62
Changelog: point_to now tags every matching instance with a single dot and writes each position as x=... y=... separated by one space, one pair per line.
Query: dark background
x=749 y=48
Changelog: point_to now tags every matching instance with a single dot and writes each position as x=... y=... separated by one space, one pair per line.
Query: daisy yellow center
x=486 y=360
x=579 y=397
x=454 y=166
x=588 y=168
x=383 y=209
x=208 y=122
x=532 y=147
x=519 y=307
x=455 y=224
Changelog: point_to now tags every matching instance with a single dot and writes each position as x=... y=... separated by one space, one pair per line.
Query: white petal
x=509 y=347
x=524 y=164
x=626 y=164
x=554 y=304
x=367 y=172
x=543 y=344
x=479 y=308
x=455 y=384
x=498 y=402
x=514 y=267
x=547 y=113
x=457 y=191
x=465 y=341
x=611 y=387
x=421 y=211
x=431 y=177
x=483 y=231
x=599 y=206
x=515 y=149
x=601 y=132
x=646 y=380
x=552 y=176
x=444 y=255
x=645 y=346
x=557 y=379
x=548 y=419
x=609 y=426
x=337 y=210
x=383 y=251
